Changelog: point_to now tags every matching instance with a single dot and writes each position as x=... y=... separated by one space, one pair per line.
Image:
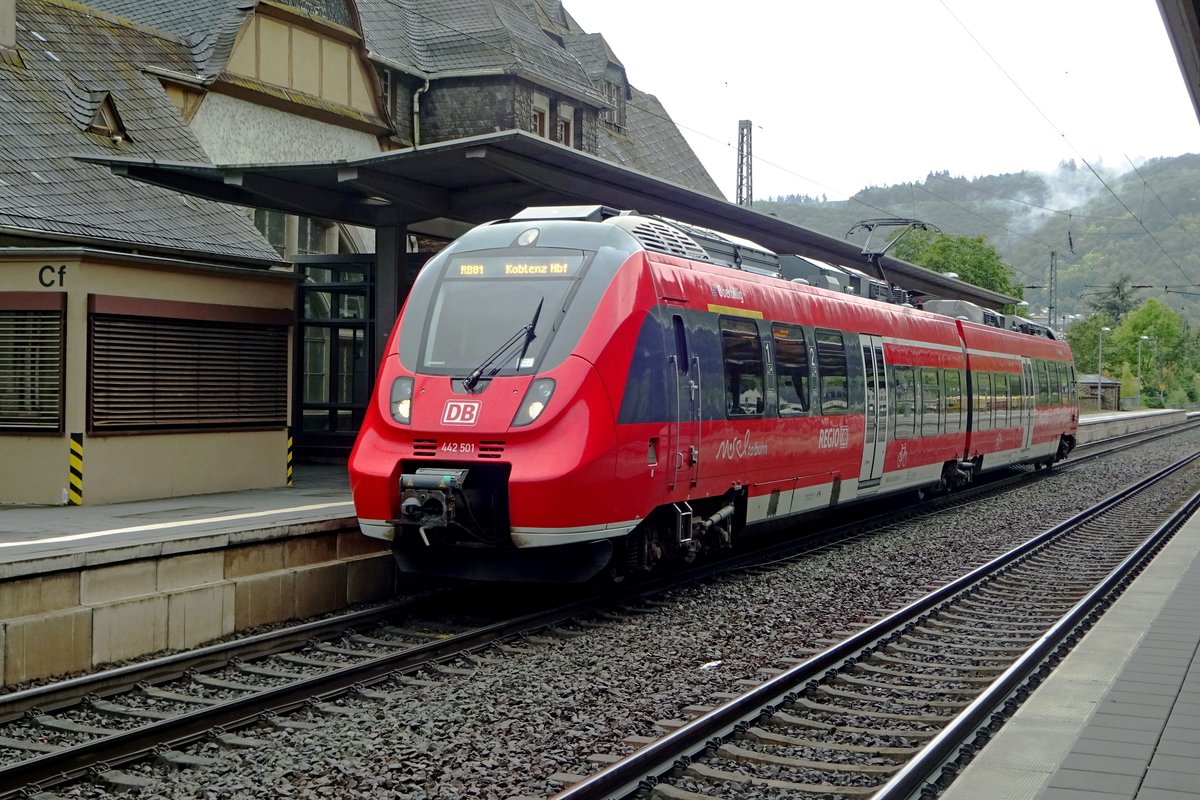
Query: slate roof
x=435 y=36
x=71 y=61
x=209 y=27
x=593 y=53
x=651 y=143
x=439 y=36
x=550 y=15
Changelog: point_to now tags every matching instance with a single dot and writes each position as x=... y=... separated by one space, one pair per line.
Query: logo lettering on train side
x=460 y=412
x=727 y=293
x=740 y=447
x=833 y=438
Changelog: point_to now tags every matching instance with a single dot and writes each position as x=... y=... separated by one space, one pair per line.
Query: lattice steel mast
x=745 y=180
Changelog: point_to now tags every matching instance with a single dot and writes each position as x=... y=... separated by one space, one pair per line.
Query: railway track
x=895 y=707
x=91 y=726
x=1115 y=444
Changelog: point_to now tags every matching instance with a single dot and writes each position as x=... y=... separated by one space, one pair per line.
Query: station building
x=295 y=162
x=156 y=344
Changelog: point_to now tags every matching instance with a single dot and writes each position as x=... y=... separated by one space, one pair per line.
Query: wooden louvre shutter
x=31 y=370
x=151 y=373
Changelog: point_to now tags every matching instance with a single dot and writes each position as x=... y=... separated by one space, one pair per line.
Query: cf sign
x=460 y=412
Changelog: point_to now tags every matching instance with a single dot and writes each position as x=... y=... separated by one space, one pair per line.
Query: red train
x=577 y=390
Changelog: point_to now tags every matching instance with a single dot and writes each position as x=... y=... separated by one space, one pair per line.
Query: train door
x=1027 y=402
x=875 y=431
x=685 y=424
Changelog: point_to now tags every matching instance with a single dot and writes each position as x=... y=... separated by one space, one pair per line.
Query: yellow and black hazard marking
x=75 y=488
x=289 y=457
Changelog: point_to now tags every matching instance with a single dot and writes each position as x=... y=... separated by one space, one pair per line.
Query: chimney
x=8 y=24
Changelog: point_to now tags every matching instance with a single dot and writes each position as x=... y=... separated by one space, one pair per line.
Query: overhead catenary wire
x=1067 y=141
x=985 y=219
x=1174 y=216
x=851 y=196
x=517 y=57
x=997 y=196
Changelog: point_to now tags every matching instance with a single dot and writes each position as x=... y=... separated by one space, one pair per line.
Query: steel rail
x=52 y=696
x=1125 y=441
x=73 y=762
x=943 y=748
x=645 y=765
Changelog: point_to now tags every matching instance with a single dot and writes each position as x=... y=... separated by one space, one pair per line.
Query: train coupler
x=429 y=497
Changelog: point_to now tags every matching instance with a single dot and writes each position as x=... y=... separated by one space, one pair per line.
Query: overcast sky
x=845 y=94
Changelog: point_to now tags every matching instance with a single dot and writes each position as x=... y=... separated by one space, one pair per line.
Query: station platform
x=1119 y=718
x=87 y=587
x=40 y=539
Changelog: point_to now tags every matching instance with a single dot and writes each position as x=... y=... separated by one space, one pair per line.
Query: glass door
x=336 y=364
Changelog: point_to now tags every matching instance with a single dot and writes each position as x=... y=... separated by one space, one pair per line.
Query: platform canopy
x=1182 y=18
x=494 y=176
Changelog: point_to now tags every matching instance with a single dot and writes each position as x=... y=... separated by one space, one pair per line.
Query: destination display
x=523 y=267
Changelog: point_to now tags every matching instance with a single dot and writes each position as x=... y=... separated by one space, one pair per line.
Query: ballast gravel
x=538 y=710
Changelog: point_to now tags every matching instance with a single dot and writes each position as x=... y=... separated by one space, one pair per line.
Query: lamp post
x=1100 y=371
x=1140 y=340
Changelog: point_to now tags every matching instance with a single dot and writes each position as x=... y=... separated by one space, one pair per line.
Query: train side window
x=953 y=401
x=1003 y=401
x=1043 y=381
x=931 y=401
x=1010 y=400
x=999 y=394
x=1064 y=382
x=983 y=401
x=881 y=388
x=1055 y=387
x=681 y=349
x=904 y=404
x=833 y=372
x=1016 y=397
x=791 y=368
x=744 y=395
x=1073 y=383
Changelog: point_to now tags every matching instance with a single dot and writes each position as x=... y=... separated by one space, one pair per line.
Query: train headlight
x=534 y=402
x=401 y=403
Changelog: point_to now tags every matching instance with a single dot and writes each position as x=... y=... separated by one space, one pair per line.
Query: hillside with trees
x=1127 y=245
x=1143 y=222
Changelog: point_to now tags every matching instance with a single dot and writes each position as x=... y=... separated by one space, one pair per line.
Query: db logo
x=460 y=412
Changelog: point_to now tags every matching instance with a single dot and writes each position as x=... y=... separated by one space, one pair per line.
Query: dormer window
x=106 y=121
x=614 y=93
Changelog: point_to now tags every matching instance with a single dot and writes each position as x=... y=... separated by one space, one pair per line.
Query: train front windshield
x=487 y=304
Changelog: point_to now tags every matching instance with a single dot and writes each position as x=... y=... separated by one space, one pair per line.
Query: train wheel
x=643 y=550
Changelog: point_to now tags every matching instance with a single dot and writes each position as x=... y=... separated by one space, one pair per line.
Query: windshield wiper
x=525 y=335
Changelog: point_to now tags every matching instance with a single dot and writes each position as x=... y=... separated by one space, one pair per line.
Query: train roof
x=675 y=238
